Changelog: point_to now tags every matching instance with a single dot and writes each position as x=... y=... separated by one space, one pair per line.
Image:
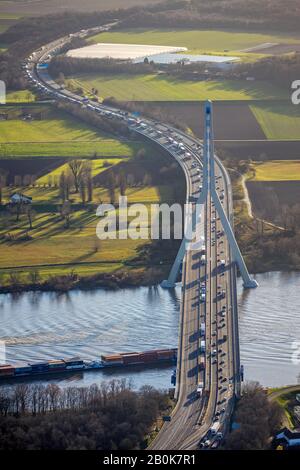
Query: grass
x=98 y=166
x=50 y=195
x=46 y=271
x=58 y=134
x=54 y=127
x=21 y=96
x=53 y=248
x=105 y=148
x=278 y=121
x=277 y=170
x=160 y=88
x=197 y=41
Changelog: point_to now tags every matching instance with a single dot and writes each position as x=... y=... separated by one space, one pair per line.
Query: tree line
x=73 y=65
x=234 y=14
x=109 y=416
x=282 y=70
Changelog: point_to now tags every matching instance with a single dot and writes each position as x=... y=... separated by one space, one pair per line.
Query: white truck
x=199 y=390
x=214 y=429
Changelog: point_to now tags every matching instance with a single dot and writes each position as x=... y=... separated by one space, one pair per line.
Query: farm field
x=197 y=41
x=105 y=148
x=232 y=121
x=279 y=170
x=158 y=88
x=281 y=122
x=98 y=166
x=21 y=96
x=56 y=134
x=48 y=249
x=53 y=126
x=262 y=150
x=43 y=196
x=50 y=243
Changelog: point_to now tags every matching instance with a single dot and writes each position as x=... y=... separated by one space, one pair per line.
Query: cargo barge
x=10 y=372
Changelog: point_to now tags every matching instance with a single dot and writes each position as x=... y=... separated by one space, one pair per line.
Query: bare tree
x=65 y=212
x=31 y=214
x=123 y=184
x=3 y=180
x=79 y=169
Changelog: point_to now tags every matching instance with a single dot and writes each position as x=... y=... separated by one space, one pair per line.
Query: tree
x=90 y=187
x=61 y=79
x=65 y=212
x=82 y=187
x=75 y=167
x=31 y=214
x=62 y=186
x=3 y=180
x=147 y=180
x=111 y=186
x=34 y=276
x=123 y=183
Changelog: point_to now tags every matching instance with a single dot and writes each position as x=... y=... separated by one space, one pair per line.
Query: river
x=39 y=325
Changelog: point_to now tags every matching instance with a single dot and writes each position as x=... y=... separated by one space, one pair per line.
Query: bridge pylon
x=209 y=190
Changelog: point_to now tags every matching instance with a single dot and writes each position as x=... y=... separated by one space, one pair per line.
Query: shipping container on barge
x=64 y=366
x=139 y=358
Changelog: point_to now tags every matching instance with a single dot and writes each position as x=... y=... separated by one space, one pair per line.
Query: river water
x=37 y=326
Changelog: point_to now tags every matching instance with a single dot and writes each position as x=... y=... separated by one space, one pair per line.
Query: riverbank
x=131 y=277
x=286 y=398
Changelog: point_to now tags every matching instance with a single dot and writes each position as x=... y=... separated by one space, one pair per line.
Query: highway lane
x=192 y=416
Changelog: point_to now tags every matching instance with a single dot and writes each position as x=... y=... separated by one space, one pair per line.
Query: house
x=19 y=198
x=287 y=439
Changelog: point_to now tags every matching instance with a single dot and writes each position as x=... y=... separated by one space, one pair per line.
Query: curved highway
x=208 y=349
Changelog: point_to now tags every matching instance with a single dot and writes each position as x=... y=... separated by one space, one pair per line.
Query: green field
x=160 y=88
x=196 y=41
x=54 y=127
x=22 y=96
x=54 y=244
x=57 y=134
x=277 y=170
x=105 y=147
x=98 y=166
x=279 y=122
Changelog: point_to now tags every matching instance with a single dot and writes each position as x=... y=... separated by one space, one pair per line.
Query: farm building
x=19 y=198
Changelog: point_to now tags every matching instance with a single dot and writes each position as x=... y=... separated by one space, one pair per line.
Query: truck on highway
x=203 y=259
x=202 y=346
x=215 y=428
x=199 y=390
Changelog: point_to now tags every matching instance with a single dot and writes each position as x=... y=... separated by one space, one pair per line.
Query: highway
x=206 y=355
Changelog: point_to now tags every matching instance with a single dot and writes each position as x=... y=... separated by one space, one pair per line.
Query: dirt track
x=277 y=49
